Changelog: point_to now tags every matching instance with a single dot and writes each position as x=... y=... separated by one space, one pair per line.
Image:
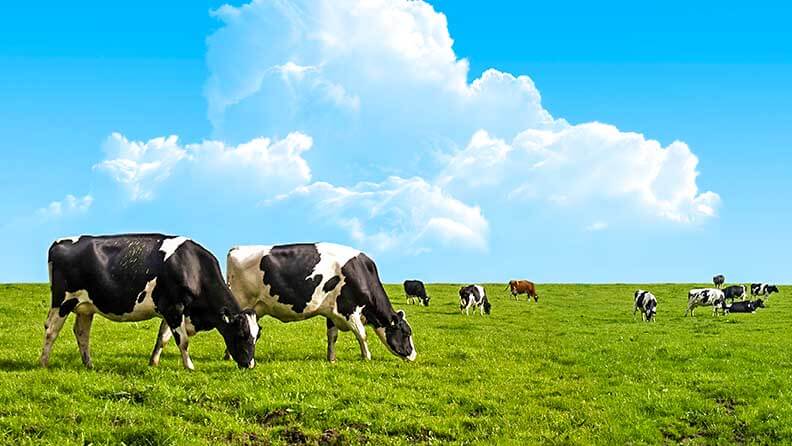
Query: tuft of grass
x=576 y=368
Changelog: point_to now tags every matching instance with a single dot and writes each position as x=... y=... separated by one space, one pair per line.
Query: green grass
x=574 y=369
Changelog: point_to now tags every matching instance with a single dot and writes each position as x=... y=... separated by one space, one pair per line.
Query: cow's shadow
x=18 y=365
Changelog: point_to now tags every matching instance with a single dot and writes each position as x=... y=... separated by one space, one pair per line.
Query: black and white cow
x=746 y=306
x=763 y=289
x=706 y=297
x=138 y=277
x=474 y=296
x=735 y=292
x=415 y=290
x=647 y=303
x=719 y=280
x=298 y=282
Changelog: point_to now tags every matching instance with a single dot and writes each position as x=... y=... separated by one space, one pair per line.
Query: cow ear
x=226 y=315
x=400 y=313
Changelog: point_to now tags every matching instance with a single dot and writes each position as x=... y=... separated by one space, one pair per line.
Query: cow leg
x=163 y=336
x=82 y=331
x=180 y=333
x=332 y=337
x=357 y=327
x=52 y=328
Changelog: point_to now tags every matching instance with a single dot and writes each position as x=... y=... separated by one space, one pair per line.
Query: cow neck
x=381 y=310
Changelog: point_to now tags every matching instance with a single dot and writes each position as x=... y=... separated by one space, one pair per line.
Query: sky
x=452 y=141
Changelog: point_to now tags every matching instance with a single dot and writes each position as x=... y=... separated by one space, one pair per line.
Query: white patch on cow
x=170 y=245
x=84 y=303
x=244 y=275
x=481 y=292
x=73 y=239
x=253 y=325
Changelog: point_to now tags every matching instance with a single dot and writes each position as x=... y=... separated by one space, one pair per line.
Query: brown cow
x=523 y=287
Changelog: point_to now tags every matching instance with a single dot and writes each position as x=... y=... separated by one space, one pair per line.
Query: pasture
x=576 y=368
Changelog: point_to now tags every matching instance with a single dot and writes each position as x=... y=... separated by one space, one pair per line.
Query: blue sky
x=378 y=136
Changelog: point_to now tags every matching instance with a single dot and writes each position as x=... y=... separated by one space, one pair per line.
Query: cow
x=136 y=277
x=735 y=292
x=474 y=296
x=719 y=280
x=299 y=281
x=763 y=289
x=746 y=306
x=706 y=297
x=647 y=303
x=415 y=290
x=523 y=287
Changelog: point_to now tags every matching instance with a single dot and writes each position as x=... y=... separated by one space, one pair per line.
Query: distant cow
x=139 y=277
x=763 y=289
x=473 y=296
x=300 y=281
x=415 y=290
x=719 y=280
x=706 y=297
x=523 y=287
x=746 y=306
x=647 y=303
x=735 y=292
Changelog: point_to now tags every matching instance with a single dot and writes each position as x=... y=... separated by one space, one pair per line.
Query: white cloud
x=379 y=87
x=68 y=206
x=258 y=166
x=584 y=166
x=141 y=166
x=409 y=214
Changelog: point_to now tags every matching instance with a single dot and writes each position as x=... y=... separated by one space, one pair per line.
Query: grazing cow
x=647 y=303
x=706 y=297
x=415 y=290
x=139 y=277
x=474 y=296
x=746 y=306
x=719 y=280
x=523 y=287
x=763 y=289
x=300 y=281
x=735 y=292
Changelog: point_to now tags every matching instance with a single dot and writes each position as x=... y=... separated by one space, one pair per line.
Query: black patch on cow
x=641 y=300
x=286 y=270
x=362 y=287
x=331 y=284
x=67 y=307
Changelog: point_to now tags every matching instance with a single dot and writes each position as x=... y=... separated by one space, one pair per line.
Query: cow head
x=651 y=311
x=425 y=301
x=758 y=303
x=772 y=289
x=241 y=333
x=398 y=337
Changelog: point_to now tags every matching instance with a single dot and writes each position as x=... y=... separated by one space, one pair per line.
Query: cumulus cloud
x=259 y=166
x=140 y=166
x=583 y=166
x=405 y=213
x=379 y=87
x=68 y=206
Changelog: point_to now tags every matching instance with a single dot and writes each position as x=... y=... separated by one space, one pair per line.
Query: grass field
x=574 y=369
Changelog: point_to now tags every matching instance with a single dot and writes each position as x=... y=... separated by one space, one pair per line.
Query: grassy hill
x=576 y=368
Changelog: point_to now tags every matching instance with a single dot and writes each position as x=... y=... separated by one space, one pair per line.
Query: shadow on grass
x=16 y=365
